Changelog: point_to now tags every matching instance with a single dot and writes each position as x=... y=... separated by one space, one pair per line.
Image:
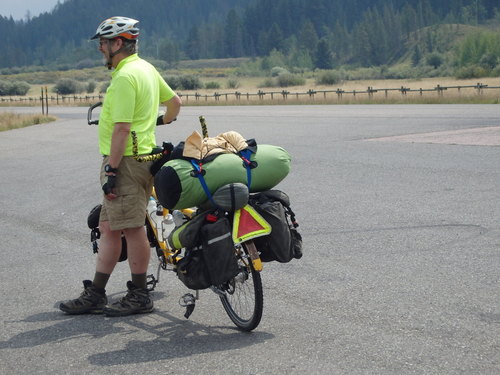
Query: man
x=131 y=104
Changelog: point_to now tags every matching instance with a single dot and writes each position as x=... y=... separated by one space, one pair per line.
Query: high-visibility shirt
x=135 y=92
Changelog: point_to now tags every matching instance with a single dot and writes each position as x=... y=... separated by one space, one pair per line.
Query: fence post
x=339 y=94
x=480 y=87
x=46 y=101
x=440 y=90
x=41 y=98
x=370 y=91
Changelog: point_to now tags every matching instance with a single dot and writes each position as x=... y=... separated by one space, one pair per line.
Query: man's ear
x=119 y=42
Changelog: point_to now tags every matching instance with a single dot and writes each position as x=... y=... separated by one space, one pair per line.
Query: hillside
x=311 y=34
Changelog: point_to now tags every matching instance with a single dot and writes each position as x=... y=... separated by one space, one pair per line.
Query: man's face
x=107 y=45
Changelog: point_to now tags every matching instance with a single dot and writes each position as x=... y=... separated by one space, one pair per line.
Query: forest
x=300 y=34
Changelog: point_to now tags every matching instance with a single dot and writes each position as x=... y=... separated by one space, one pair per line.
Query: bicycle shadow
x=177 y=338
x=172 y=337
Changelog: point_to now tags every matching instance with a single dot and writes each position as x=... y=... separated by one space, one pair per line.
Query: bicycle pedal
x=189 y=302
x=151 y=283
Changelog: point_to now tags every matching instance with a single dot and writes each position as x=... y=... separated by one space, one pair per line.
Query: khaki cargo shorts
x=134 y=185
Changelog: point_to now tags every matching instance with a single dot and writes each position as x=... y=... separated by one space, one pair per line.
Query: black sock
x=139 y=280
x=100 y=280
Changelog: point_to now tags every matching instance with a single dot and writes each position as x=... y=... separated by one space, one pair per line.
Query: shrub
x=184 y=82
x=471 y=71
x=13 y=88
x=330 y=77
x=275 y=58
x=435 y=60
x=268 y=82
x=104 y=87
x=278 y=70
x=66 y=86
x=190 y=83
x=250 y=68
x=489 y=61
x=495 y=72
x=173 y=82
x=212 y=85
x=285 y=80
x=21 y=87
x=91 y=85
x=233 y=83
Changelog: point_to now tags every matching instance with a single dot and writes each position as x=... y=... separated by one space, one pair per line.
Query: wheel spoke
x=243 y=300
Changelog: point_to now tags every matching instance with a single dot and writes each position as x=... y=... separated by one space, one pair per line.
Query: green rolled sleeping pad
x=177 y=188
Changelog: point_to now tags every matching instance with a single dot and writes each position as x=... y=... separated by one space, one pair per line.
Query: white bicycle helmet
x=117 y=27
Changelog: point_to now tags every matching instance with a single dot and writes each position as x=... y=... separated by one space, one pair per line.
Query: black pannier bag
x=284 y=242
x=218 y=251
x=213 y=260
x=192 y=269
x=95 y=233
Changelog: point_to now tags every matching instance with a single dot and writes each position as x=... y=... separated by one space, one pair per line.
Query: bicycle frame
x=169 y=256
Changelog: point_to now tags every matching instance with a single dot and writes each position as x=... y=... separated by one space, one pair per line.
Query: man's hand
x=160 y=121
x=109 y=187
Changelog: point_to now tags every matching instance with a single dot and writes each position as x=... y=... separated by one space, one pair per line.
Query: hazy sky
x=18 y=8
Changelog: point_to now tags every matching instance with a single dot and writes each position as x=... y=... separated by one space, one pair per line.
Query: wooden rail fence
x=283 y=95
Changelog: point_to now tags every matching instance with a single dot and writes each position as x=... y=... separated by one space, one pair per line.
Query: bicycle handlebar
x=89 y=114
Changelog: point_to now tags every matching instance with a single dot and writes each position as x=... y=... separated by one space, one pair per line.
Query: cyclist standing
x=131 y=104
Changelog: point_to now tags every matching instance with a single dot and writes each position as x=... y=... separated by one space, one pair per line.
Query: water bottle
x=152 y=207
x=167 y=225
x=155 y=219
x=179 y=218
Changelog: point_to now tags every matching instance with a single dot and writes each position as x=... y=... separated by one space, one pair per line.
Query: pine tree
x=193 y=43
x=323 y=56
x=416 y=56
x=307 y=38
x=233 y=32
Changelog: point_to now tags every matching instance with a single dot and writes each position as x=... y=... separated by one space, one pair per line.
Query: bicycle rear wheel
x=242 y=297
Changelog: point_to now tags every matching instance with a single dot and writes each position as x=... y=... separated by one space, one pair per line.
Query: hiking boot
x=91 y=301
x=137 y=301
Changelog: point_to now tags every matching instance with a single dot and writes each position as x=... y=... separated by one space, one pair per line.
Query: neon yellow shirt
x=135 y=92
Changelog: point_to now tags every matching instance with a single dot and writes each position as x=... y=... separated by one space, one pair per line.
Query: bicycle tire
x=243 y=300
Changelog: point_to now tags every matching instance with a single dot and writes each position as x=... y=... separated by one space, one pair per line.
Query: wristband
x=109 y=169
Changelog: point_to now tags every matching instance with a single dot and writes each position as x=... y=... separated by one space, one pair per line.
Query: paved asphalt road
x=401 y=240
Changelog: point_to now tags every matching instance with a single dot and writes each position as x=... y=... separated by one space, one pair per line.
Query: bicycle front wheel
x=242 y=297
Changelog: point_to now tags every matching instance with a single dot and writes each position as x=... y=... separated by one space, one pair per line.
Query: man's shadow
x=171 y=337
